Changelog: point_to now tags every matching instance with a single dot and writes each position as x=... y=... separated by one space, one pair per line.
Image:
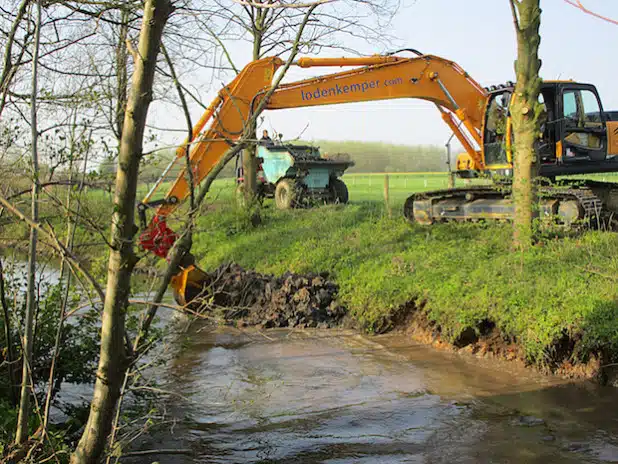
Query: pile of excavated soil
x=248 y=298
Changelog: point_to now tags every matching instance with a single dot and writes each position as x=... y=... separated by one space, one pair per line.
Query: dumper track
x=588 y=203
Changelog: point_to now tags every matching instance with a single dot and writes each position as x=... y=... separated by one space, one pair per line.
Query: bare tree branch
x=579 y=5
x=185 y=109
x=278 y=4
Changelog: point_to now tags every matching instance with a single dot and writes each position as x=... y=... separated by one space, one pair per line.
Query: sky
x=479 y=36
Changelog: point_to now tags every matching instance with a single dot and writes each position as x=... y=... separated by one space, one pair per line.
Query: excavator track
x=582 y=201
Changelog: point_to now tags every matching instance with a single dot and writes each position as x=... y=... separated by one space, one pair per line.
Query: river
x=338 y=397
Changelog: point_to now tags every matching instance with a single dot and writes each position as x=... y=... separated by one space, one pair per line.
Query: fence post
x=386 y=196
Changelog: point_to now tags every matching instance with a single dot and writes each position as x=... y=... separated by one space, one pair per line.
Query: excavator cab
x=576 y=135
x=584 y=138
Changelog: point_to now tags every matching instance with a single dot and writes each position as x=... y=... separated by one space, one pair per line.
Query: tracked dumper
x=295 y=174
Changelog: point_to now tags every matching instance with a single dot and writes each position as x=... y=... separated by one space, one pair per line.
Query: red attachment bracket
x=158 y=238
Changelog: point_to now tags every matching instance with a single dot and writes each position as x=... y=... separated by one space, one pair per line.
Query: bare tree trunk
x=21 y=434
x=10 y=352
x=121 y=71
x=113 y=362
x=526 y=112
x=249 y=168
x=249 y=160
x=192 y=211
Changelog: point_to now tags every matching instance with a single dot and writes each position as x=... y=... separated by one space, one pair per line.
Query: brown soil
x=248 y=298
x=487 y=341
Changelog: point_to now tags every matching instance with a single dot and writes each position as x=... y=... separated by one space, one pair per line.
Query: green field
x=370 y=187
x=363 y=187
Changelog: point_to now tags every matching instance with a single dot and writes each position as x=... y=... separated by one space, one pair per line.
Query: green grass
x=466 y=273
x=362 y=187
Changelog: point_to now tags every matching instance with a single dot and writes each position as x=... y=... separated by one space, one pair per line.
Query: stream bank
x=486 y=341
x=556 y=302
x=246 y=298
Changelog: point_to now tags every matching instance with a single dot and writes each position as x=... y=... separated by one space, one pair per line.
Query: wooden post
x=451 y=174
x=386 y=196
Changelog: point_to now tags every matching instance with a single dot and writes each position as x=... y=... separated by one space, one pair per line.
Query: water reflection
x=336 y=397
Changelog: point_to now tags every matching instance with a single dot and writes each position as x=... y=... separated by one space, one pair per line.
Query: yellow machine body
x=463 y=104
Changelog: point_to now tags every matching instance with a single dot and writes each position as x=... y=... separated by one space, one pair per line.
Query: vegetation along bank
x=552 y=306
x=460 y=284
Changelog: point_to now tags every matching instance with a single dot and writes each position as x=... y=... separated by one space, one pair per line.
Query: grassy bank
x=464 y=274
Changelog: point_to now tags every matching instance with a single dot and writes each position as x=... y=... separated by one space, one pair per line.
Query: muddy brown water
x=337 y=397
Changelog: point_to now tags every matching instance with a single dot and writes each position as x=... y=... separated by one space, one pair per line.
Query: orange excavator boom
x=459 y=98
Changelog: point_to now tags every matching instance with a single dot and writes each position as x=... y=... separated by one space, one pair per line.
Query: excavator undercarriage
x=569 y=203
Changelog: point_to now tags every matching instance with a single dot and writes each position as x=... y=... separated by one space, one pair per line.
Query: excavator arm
x=427 y=77
x=459 y=98
x=221 y=124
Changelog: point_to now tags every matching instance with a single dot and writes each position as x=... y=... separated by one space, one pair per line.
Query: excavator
x=577 y=137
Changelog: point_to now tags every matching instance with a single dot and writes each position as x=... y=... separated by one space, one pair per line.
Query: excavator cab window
x=546 y=142
x=495 y=129
x=583 y=134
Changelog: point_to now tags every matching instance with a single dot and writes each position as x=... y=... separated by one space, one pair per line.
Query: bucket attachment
x=188 y=284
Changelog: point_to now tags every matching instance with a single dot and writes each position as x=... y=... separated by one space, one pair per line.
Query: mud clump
x=247 y=298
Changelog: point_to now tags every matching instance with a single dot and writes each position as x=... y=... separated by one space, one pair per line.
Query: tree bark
x=121 y=71
x=113 y=362
x=249 y=160
x=10 y=352
x=249 y=168
x=526 y=112
x=21 y=434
